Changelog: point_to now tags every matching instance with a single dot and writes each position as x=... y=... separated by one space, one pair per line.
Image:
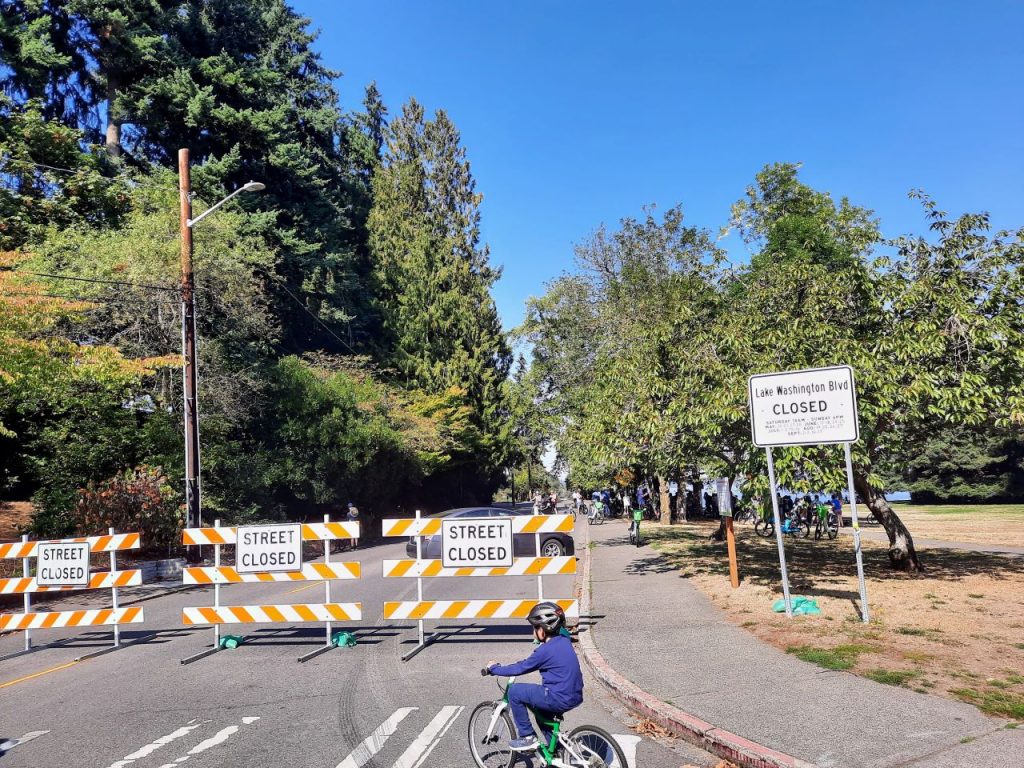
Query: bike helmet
x=547 y=615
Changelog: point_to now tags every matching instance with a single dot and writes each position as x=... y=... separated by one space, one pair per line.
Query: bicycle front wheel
x=489 y=735
x=591 y=747
x=833 y=527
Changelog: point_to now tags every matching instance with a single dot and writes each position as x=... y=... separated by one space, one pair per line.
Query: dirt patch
x=14 y=518
x=957 y=631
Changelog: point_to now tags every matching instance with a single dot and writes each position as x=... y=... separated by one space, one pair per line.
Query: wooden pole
x=730 y=537
x=188 y=334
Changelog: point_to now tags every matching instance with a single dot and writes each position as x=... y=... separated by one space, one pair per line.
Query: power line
x=72 y=171
x=317 y=319
x=94 y=280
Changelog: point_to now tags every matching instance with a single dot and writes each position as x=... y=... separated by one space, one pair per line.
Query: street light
x=252 y=186
x=188 y=332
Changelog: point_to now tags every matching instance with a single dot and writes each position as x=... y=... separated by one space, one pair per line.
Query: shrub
x=140 y=499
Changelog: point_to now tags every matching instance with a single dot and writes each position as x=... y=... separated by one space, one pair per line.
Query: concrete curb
x=718 y=741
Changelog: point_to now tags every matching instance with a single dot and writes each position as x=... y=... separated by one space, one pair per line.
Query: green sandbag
x=230 y=641
x=802 y=606
x=343 y=640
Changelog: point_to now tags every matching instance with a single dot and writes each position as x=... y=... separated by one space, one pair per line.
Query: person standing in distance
x=352 y=517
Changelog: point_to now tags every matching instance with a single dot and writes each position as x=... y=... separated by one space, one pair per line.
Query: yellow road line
x=306 y=586
x=38 y=674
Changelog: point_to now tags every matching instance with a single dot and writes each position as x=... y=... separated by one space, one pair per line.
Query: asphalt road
x=257 y=706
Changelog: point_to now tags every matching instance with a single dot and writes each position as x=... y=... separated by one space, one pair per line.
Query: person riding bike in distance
x=561 y=687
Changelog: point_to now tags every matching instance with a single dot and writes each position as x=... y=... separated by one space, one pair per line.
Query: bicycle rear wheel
x=592 y=747
x=832 y=526
x=489 y=746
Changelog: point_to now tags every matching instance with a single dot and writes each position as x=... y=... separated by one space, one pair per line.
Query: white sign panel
x=724 y=497
x=269 y=548
x=816 y=406
x=476 y=543
x=62 y=565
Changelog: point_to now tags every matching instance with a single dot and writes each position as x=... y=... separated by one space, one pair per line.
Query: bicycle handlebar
x=485 y=672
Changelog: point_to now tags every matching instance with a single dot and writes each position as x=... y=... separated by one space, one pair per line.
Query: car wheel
x=552 y=548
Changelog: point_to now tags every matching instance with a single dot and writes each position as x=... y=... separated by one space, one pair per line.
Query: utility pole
x=188 y=333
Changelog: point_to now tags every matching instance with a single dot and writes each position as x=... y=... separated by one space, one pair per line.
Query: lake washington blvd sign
x=814 y=406
x=469 y=543
x=269 y=548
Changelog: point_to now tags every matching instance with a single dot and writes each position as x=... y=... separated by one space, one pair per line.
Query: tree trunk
x=902 y=554
x=666 y=509
x=719 y=534
x=681 y=503
x=698 y=494
x=113 y=143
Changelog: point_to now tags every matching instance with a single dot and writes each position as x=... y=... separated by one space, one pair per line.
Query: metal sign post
x=814 y=406
x=778 y=532
x=856 y=537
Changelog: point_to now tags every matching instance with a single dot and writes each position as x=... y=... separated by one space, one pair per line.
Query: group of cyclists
x=802 y=515
x=605 y=503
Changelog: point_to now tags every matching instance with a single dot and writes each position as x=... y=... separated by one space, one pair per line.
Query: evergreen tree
x=441 y=325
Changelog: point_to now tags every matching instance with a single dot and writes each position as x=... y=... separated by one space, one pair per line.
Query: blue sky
x=578 y=113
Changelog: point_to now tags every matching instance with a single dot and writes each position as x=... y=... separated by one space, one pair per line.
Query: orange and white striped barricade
x=268 y=553
x=63 y=565
x=421 y=568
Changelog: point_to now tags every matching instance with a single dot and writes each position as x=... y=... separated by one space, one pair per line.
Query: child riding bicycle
x=561 y=687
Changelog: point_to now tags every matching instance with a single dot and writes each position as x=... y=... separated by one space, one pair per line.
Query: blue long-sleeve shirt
x=559 y=671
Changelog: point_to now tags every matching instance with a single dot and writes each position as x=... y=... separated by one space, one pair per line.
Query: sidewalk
x=719 y=685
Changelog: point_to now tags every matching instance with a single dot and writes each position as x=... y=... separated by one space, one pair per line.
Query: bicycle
x=826 y=523
x=596 y=517
x=745 y=513
x=792 y=524
x=795 y=525
x=490 y=730
x=634 y=527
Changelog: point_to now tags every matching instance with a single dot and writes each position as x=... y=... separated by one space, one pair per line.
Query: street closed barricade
x=474 y=547
x=266 y=553
x=65 y=565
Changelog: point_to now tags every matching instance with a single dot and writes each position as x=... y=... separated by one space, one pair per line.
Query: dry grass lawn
x=956 y=631
x=974 y=523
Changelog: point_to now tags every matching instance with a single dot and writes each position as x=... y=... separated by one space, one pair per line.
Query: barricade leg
x=424 y=641
x=28 y=597
x=216 y=604
x=327 y=599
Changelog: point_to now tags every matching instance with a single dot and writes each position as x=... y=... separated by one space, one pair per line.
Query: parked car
x=523 y=544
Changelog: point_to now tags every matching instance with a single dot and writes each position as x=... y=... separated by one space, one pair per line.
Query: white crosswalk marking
x=218 y=738
x=424 y=744
x=27 y=738
x=628 y=743
x=372 y=744
x=155 y=745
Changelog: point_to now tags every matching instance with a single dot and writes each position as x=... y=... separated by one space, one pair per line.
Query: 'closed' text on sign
x=270 y=548
x=476 y=543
